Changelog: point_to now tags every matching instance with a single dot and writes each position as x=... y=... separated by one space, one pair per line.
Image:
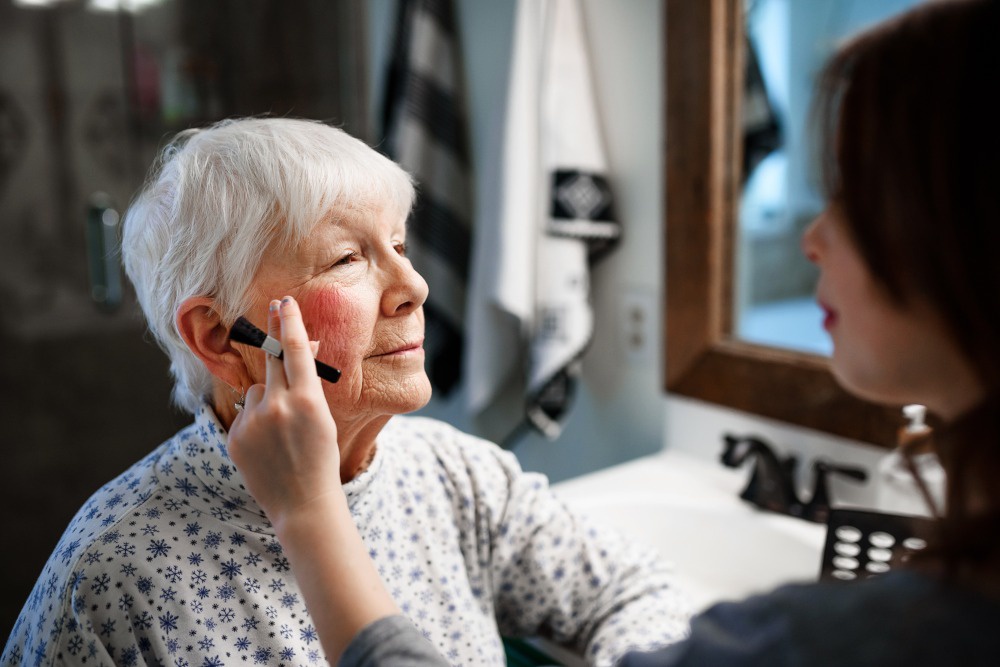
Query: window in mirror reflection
x=788 y=41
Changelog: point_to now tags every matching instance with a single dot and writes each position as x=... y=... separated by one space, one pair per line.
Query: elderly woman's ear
x=201 y=327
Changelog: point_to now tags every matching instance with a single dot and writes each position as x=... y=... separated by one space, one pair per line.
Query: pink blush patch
x=323 y=312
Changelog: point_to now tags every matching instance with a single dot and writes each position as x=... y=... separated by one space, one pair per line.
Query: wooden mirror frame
x=704 y=72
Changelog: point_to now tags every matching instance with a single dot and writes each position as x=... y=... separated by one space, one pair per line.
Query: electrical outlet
x=638 y=325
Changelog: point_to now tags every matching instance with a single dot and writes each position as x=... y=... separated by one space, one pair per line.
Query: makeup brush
x=245 y=332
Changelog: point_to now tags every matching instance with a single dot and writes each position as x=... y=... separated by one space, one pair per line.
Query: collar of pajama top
x=208 y=480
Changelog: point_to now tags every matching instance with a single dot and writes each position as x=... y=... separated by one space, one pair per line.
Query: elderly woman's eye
x=401 y=249
x=346 y=259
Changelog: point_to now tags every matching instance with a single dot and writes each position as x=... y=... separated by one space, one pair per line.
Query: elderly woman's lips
x=408 y=348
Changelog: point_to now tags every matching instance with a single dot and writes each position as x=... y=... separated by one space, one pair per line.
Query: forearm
x=339 y=582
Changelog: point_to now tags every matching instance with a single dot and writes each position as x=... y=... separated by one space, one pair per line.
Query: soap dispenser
x=898 y=491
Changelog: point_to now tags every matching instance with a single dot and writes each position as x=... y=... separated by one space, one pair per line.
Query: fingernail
x=273 y=306
x=285 y=301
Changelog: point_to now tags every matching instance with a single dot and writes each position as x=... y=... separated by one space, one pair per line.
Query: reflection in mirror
x=705 y=129
x=787 y=44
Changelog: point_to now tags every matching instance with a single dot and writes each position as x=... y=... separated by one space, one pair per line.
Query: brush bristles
x=245 y=332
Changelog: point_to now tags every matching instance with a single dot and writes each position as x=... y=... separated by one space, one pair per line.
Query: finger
x=314 y=348
x=235 y=424
x=300 y=365
x=275 y=369
x=254 y=395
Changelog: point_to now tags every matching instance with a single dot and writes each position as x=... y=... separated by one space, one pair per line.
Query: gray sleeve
x=754 y=633
x=391 y=642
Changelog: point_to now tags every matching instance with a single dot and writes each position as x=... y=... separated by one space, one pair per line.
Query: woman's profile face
x=883 y=351
x=362 y=299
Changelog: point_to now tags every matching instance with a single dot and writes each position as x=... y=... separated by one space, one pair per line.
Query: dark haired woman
x=911 y=291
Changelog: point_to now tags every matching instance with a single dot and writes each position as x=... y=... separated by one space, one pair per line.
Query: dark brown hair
x=911 y=158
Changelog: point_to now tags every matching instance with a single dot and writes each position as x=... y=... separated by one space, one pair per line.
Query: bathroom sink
x=720 y=551
x=689 y=511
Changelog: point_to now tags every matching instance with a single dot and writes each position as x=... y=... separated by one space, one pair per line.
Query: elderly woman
x=175 y=563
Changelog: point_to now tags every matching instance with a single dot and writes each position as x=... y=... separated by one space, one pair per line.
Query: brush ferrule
x=271 y=346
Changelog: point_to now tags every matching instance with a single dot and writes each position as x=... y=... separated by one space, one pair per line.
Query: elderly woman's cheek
x=329 y=316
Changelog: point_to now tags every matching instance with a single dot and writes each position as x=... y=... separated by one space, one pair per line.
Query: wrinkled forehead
x=351 y=218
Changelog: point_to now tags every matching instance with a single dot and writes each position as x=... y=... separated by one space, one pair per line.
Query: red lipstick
x=829 y=316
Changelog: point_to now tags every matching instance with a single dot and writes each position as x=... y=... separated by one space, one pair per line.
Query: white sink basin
x=688 y=510
x=720 y=551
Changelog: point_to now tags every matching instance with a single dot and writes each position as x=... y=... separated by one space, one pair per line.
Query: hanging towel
x=425 y=131
x=761 y=129
x=531 y=285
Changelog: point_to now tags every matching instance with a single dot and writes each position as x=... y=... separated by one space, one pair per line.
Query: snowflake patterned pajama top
x=173 y=563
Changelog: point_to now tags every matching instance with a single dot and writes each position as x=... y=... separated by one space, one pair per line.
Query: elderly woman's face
x=361 y=298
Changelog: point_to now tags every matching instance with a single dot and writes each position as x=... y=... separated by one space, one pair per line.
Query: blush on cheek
x=325 y=313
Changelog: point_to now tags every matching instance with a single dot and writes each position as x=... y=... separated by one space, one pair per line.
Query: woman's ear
x=201 y=327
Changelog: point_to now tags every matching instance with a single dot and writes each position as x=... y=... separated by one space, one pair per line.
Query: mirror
x=786 y=45
x=706 y=356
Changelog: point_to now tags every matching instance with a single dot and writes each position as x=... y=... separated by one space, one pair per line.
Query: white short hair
x=218 y=197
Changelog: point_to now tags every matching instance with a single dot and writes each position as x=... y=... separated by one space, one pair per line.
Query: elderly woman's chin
x=381 y=390
x=412 y=392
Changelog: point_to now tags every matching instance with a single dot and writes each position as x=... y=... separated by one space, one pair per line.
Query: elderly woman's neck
x=224 y=401
x=356 y=441
x=357 y=446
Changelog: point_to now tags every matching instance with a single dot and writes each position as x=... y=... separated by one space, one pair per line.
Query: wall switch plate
x=638 y=325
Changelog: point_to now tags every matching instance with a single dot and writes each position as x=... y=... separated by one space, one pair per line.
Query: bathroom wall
x=621 y=411
x=618 y=413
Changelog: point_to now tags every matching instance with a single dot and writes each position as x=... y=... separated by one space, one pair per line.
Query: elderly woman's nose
x=407 y=289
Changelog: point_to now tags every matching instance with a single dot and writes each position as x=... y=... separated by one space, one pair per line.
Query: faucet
x=818 y=507
x=770 y=486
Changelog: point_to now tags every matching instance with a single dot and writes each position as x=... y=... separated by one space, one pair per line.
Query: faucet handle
x=818 y=507
x=770 y=485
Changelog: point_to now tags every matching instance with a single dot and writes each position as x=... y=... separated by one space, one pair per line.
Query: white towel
x=530 y=300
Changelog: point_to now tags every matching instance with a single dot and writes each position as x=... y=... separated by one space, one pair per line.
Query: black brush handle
x=328 y=373
x=325 y=371
x=246 y=333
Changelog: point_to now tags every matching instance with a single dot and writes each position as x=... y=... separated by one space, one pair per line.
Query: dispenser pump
x=915 y=415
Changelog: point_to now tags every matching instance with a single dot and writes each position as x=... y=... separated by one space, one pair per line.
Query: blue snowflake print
x=158 y=548
x=186 y=487
x=231 y=569
x=308 y=634
x=168 y=622
x=226 y=592
x=125 y=549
